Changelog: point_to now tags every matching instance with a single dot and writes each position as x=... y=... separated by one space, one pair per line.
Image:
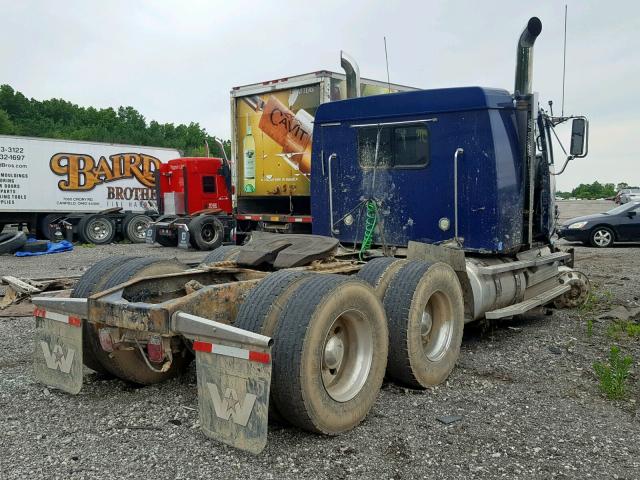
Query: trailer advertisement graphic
x=83 y=173
x=273 y=136
x=48 y=175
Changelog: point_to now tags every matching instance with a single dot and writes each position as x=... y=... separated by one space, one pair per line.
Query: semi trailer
x=432 y=209
x=100 y=190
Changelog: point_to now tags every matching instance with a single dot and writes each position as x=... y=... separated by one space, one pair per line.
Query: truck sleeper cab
x=417 y=135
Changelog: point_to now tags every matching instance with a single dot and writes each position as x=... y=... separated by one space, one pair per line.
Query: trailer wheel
x=379 y=272
x=207 y=232
x=329 y=354
x=96 y=229
x=10 y=242
x=222 y=254
x=134 y=227
x=129 y=365
x=91 y=282
x=44 y=224
x=425 y=308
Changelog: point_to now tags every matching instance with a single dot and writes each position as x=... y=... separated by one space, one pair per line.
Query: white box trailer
x=93 y=186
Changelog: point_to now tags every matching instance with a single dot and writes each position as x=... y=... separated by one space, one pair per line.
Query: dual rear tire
x=330 y=346
x=335 y=336
x=126 y=364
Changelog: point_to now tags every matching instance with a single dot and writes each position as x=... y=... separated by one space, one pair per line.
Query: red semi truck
x=194 y=197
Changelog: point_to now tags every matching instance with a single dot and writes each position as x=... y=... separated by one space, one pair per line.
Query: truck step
x=522 y=307
x=522 y=264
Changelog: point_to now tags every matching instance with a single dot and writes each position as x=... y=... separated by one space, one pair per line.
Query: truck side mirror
x=579 y=137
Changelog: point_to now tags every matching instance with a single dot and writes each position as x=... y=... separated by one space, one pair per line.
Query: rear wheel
x=96 y=229
x=91 y=282
x=601 y=237
x=206 y=232
x=129 y=365
x=379 y=272
x=45 y=222
x=262 y=307
x=425 y=308
x=222 y=254
x=167 y=240
x=329 y=354
x=134 y=227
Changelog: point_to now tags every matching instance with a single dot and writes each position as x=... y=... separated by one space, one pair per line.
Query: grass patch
x=613 y=375
x=618 y=327
x=596 y=301
x=589 y=327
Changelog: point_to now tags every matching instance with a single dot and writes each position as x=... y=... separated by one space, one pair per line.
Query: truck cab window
x=209 y=184
x=410 y=146
x=367 y=138
x=401 y=146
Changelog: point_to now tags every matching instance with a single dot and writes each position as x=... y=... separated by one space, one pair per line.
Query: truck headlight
x=576 y=225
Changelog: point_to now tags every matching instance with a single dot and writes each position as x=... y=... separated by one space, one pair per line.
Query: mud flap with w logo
x=233 y=394
x=57 y=358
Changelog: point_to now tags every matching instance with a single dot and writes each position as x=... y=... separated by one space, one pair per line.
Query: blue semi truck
x=431 y=209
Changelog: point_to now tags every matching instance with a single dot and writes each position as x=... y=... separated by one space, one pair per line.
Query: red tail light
x=154 y=349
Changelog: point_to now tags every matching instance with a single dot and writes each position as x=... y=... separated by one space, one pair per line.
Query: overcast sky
x=176 y=61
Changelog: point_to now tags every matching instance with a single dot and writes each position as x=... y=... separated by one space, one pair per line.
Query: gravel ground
x=525 y=389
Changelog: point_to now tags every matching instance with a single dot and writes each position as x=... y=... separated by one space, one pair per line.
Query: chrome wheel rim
x=347 y=355
x=436 y=326
x=100 y=229
x=139 y=228
x=602 y=238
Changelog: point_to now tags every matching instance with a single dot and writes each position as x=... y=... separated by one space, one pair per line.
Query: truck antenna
x=564 y=59
x=386 y=57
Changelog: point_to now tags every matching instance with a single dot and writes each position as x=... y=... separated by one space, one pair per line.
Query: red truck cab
x=194 y=197
x=189 y=185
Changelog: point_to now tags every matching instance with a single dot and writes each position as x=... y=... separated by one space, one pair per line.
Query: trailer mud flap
x=57 y=358
x=234 y=378
x=183 y=236
x=149 y=235
x=233 y=394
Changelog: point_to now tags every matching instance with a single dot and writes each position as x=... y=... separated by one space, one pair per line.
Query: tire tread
x=397 y=303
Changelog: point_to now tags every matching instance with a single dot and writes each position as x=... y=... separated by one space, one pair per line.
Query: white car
x=630 y=195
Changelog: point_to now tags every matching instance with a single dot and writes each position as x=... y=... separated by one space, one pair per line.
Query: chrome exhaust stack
x=353 y=74
x=524 y=57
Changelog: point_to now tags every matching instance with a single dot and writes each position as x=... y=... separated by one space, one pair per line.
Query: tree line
x=595 y=190
x=57 y=118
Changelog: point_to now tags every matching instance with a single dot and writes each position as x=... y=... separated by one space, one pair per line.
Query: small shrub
x=632 y=329
x=589 y=327
x=613 y=375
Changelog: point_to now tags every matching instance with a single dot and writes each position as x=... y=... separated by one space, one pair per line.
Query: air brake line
x=371 y=220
